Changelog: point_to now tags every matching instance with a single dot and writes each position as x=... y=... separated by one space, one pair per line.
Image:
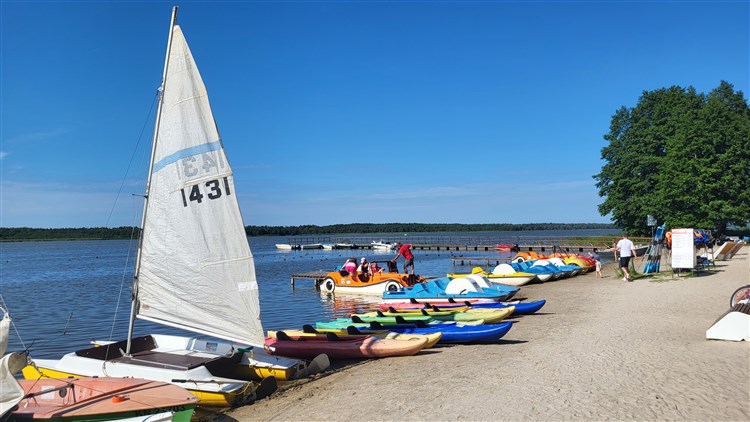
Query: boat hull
x=102 y=399
x=431 y=338
x=368 y=347
x=188 y=369
x=375 y=284
x=451 y=333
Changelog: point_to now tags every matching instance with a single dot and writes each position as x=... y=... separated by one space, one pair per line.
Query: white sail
x=196 y=269
x=10 y=390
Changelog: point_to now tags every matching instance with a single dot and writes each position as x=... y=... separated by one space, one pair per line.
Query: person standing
x=405 y=251
x=626 y=248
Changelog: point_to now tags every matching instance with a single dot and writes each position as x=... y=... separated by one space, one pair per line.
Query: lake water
x=61 y=295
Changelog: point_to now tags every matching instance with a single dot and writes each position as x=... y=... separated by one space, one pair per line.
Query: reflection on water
x=61 y=295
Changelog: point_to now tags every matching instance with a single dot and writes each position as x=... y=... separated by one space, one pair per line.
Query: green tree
x=680 y=156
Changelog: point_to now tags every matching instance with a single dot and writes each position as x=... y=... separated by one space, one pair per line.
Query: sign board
x=650 y=220
x=683 y=249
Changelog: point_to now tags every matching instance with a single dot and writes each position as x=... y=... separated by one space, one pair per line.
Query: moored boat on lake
x=368 y=284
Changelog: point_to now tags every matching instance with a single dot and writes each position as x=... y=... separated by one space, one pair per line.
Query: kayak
x=488 y=315
x=309 y=331
x=337 y=348
x=451 y=333
x=520 y=308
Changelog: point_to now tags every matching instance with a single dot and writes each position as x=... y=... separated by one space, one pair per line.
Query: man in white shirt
x=626 y=248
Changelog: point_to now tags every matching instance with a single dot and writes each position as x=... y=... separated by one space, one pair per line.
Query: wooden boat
x=501 y=276
x=309 y=331
x=204 y=281
x=368 y=284
x=102 y=399
x=342 y=348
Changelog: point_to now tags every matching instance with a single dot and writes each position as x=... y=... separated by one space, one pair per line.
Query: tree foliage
x=680 y=156
x=26 y=233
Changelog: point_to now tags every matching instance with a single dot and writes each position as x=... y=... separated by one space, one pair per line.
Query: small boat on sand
x=342 y=348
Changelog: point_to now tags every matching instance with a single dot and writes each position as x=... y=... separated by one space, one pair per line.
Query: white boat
x=328 y=246
x=85 y=398
x=313 y=246
x=194 y=269
x=343 y=246
x=383 y=246
x=286 y=247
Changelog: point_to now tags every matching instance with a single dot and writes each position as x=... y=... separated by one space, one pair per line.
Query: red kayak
x=336 y=347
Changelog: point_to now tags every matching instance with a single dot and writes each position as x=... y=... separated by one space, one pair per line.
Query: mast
x=134 y=293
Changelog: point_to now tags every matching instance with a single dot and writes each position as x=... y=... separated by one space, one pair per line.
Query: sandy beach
x=601 y=349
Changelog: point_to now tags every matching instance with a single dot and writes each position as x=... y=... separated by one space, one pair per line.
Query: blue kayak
x=452 y=333
x=522 y=308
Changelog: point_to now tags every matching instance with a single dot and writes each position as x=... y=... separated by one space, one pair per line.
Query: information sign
x=683 y=249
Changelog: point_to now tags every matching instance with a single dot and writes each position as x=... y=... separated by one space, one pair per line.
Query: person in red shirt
x=405 y=250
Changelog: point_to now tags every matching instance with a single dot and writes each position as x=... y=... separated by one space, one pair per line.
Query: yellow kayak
x=489 y=315
x=432 y=338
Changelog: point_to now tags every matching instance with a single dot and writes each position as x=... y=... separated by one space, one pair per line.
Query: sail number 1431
x=212 y=189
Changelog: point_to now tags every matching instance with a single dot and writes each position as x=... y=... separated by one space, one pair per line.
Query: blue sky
x=348 y=111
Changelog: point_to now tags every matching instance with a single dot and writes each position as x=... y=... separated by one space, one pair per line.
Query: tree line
x=106 y=233
x=680 y=156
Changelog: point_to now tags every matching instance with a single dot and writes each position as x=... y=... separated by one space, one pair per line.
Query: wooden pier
x=484 y=260
x=316 y=276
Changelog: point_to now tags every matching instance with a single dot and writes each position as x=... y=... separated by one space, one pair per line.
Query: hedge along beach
x=600 y=349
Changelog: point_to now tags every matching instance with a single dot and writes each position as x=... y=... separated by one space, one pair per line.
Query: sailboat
x=194 y=269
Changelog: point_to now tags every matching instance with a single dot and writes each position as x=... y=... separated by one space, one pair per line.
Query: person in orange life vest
x=405 y=251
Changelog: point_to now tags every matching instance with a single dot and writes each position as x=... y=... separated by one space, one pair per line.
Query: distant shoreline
x=28 y=234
